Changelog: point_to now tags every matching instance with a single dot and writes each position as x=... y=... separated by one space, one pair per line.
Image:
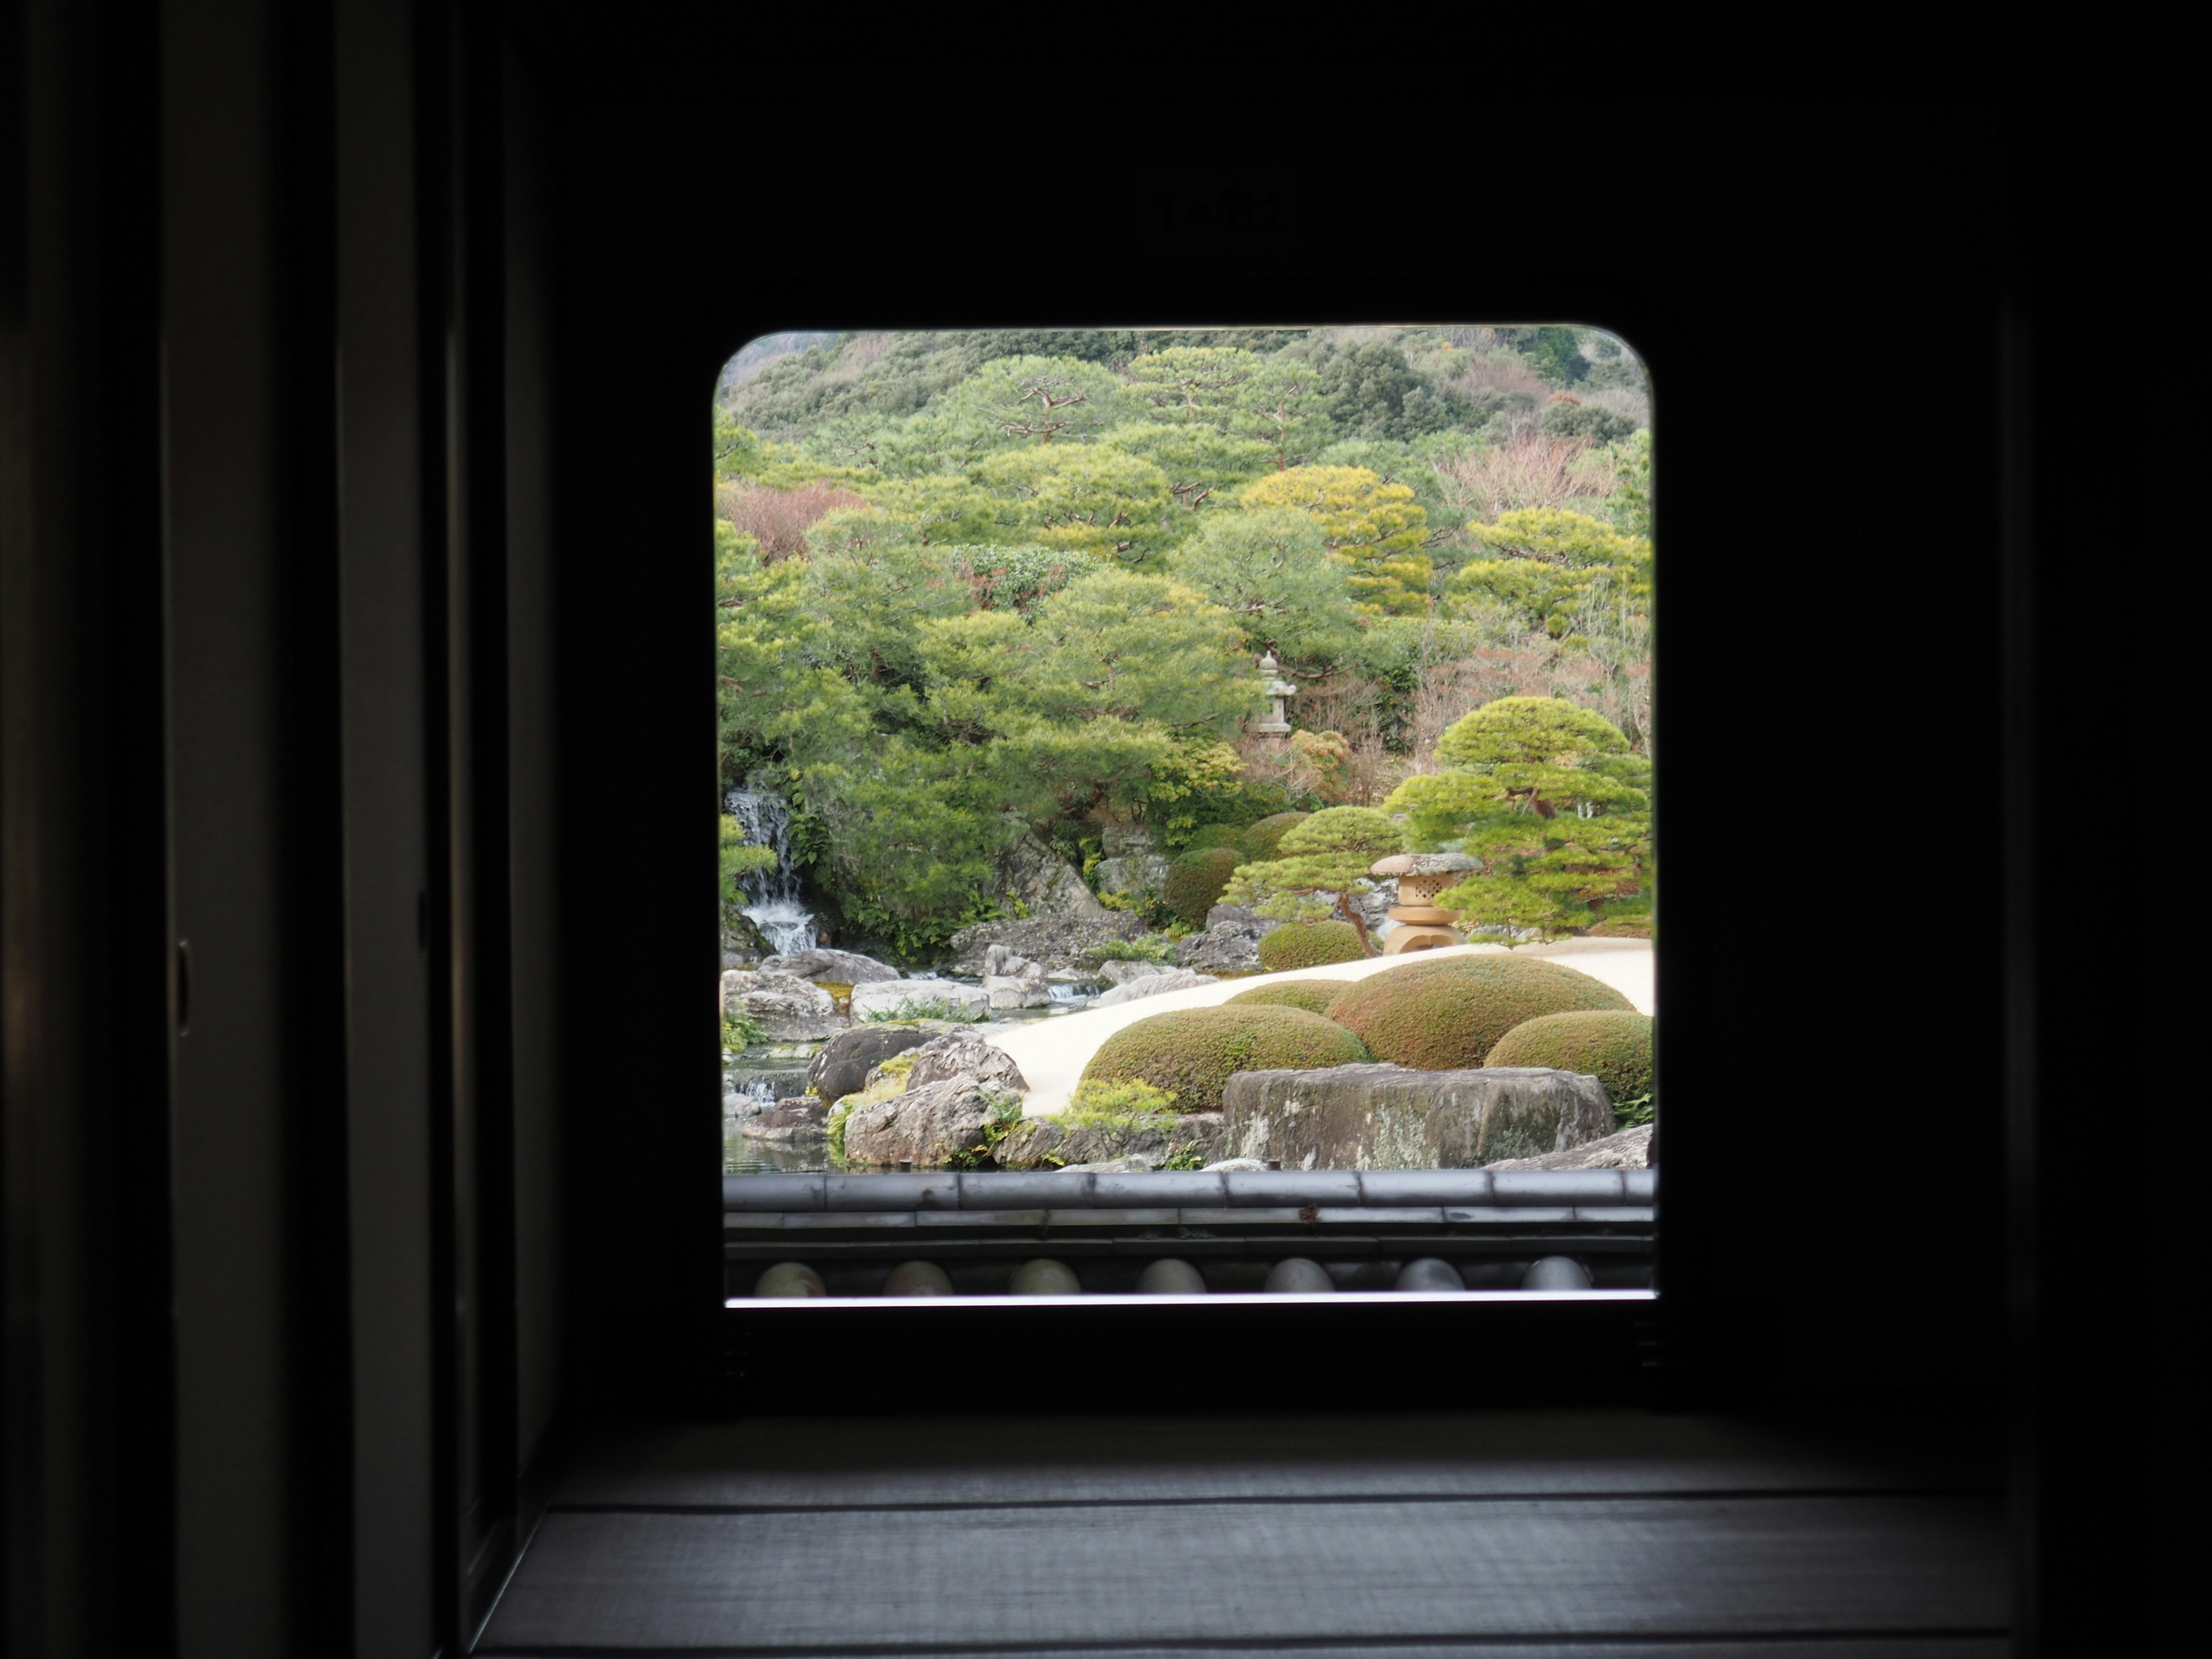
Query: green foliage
x=740 y=1031
x=1556 y=354
x=1376 y=530
x=1097 y=1102
x=1545 y=797
x=1613 y=1046
x=1449 y=1015
x=1631 y=1113
x=1268 y=568
x=1314 y=995
x=1193 y=1052
x=1328 y=852
x=1230 y=835
x=1194 y=881
x=1309 y=944
x=1150 y=947
x=1262 y=838
x=926 y=652
x=1586 y=421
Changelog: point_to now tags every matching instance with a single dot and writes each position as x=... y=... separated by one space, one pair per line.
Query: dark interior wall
x=1832 y=1223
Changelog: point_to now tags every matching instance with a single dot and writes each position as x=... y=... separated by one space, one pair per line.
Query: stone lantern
x=1421 y=877
x=1277 y=724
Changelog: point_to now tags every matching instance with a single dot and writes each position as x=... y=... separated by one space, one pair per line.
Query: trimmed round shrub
x=1314 y=995
x=1446 y=1016
x=1613 y=1046
x=1261 y=839
x=1216 y=835
x=1195 y=880
x=1193 y=1052
x=1309 y=944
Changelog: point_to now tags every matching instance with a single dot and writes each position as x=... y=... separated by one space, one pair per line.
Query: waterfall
x=772 y=900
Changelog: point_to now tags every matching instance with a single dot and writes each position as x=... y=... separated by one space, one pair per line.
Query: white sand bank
x=1051 y=1053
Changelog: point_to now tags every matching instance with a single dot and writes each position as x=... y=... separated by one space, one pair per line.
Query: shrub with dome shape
x=1314 y=995
x=1261 y=839
x=1612 y=1046
x=1194 y=881
x=1308 y=944
x=1445 y=1015
x=1192 y=1053
x=1317 y=867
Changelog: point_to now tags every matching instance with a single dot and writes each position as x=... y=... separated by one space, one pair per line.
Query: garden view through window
x=1186 y=812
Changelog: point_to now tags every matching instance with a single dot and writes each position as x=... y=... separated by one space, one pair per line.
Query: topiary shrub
x=1613 y=1046
x=1192 y=1053
x=1216 y=835
x=1261 y=839
x=1309 y=944
x=1314 y=995
x=1444 y=1015
x=1195 y=880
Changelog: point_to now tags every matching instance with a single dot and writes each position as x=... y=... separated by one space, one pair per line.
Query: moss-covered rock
x=1309 y=944
x=1612 y=1046
x=1314 y=995
x=1446 y=1015
x=1193 y=1052
x=1194 y=881
x=1261 y=839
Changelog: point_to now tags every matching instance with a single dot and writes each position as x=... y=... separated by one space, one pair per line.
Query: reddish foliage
x=779 y=518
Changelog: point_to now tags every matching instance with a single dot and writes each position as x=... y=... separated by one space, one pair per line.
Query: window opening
x=1217 y=760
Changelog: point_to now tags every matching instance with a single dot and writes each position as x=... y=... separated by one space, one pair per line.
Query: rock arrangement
x=788 y=1008
x=823 y=966
x=1133 y=863
x=847 y=1060
x=1154 y=983
x=1045 y=1143
x=956 y=1085
x=1230 y=943
x=1063 y=944
x=919 y=998
x=1394 y=1117
x=1631 y=1149
x=1048 y=887
x=1012 y=980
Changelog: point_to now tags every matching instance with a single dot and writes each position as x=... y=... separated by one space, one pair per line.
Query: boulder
x=927 y=1125
x=1110 y=1166
x=919 y=999
x=788 y=1009
x=803 y=1118
x=1133 y=863
x=1008 y=991
x=1055 y=943
x=843 y=1067
x=826 y=967
x=954 y=1055
x=1045 y=1143
x=1395 y=1117
x=1046 y=884
x=1117 y=972
x=1230 y=943
x=1153 y=985
x=1631 y=1149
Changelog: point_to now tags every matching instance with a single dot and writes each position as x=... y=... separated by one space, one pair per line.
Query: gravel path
x=1051 y=1053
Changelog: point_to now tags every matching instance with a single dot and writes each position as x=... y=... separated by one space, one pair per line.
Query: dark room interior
x=363 y=1232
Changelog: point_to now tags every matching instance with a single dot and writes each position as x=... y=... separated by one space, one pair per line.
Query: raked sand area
x=1051 y=1053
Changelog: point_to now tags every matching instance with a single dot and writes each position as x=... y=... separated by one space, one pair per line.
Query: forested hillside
x=973 y=582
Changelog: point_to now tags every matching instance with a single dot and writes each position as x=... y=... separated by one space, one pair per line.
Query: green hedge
x=1309 y=944
x=1261 y=839
x=1195 y=880
x=1444 y=1015
x=1230 y=835
x=1613 y=1046
x=1314 y=995
x=1193 y=1052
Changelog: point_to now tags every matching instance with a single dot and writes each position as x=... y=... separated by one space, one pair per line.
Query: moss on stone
x=1314 y=995
x=1444 y=1015
x=1309 y=944
x=1193 y=1052
x=1194 y=881
x=1610 y=1045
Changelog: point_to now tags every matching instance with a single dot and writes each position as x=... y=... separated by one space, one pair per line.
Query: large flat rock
x=1394 y=1117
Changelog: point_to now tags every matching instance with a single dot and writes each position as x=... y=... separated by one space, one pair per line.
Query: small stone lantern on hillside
x=1277 y=724
x=1421 y=877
